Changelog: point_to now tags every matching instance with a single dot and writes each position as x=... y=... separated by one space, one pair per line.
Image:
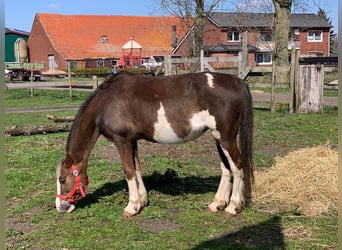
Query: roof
x=81 y=36
x=17 y=32
x=262 y=20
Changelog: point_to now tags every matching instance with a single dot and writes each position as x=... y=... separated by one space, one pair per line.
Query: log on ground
x=33 y=130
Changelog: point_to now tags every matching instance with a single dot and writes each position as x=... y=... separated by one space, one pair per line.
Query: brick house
x=223 y=36
x=90 y=41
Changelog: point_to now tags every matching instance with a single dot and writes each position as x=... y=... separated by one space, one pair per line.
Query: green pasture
x=179 y=189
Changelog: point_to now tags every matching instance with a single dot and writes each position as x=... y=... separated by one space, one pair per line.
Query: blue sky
x=21 y=15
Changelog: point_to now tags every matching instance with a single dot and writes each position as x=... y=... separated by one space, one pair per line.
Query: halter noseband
x=78 y=186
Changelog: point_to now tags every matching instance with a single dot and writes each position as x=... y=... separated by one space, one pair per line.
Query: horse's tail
x=246 y=144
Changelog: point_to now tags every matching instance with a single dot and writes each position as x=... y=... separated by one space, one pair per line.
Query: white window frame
x=263 y=58
x=313 y=37
x=234 y=38
x=100 y=63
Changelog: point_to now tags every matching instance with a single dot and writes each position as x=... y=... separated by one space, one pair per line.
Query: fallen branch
x=61 y=119
x=33 y=130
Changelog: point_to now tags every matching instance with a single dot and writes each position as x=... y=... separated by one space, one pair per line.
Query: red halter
x=78 y=186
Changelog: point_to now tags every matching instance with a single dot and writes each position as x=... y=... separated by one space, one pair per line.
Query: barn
x=88 y=41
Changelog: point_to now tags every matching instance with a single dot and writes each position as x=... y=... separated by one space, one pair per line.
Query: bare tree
x=281 y=28
x=193 y=15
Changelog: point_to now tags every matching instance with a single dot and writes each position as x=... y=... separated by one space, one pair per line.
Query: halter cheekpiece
x=79 y=186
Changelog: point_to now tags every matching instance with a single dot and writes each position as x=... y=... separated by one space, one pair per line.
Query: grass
x=22 y=98
x=179 y=190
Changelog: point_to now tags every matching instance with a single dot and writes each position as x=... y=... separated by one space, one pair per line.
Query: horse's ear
x=67 y=161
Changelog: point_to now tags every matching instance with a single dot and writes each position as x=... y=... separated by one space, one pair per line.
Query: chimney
x=174 y=36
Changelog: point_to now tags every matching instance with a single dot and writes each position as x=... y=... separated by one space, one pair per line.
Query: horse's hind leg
x=221 y=199
x=229 y=196
x=233 y=155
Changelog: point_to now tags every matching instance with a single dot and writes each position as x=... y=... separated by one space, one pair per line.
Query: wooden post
x=70 y=84
x=32 y=90
x=273 y=93
x=292 y=80
x=297 y=81
x=202 y=60
x=167 y=65
x=311 y=88
x=95 y=82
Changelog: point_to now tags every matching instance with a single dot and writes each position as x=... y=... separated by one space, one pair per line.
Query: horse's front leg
x=141 y=187
x=136 y=188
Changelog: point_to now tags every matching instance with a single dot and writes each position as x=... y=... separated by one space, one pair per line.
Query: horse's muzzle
x=65 y=207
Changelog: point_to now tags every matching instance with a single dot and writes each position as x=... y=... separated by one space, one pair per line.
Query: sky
x=20 y=15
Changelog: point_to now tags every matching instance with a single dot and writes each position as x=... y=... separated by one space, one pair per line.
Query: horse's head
x=72 y=181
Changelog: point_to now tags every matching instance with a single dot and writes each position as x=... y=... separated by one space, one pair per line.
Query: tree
x=281 y=27
x=333 y=46
x=193 y=15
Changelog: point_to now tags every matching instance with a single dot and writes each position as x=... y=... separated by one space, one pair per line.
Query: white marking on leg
x=58 y=200
x=141 y=190
x=221 y=199
x=210 y=80
x=236 y=198
x=134 y=205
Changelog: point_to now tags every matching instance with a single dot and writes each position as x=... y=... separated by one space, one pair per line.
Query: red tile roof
x=79 y=36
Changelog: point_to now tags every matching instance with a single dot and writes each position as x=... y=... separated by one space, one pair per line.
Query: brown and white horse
x=128 y=107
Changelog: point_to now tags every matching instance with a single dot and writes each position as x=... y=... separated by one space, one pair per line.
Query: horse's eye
x=62 y=180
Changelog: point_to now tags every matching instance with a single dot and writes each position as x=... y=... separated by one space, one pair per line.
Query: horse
x=128 y=107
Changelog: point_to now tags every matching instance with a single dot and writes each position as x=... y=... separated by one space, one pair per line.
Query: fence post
x=297 y=81
x=167 y=65
x=311 y=88
x=95 y=82
x=273 y=93
x=202 y=60
x=292 y=79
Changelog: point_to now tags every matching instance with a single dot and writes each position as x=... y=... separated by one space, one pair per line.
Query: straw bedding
x=304 y=180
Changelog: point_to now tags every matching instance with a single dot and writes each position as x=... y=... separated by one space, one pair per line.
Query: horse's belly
x=167 y=135
x=191 y=128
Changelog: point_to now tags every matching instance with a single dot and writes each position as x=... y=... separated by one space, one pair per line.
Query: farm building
x=95 y=41
x=88 y=41
x=14 y=40
x=223 y=36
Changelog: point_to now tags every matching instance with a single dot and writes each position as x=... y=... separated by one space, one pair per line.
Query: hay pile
x=305 y=180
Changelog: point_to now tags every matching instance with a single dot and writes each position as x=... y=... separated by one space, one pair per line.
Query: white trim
x=314 y=36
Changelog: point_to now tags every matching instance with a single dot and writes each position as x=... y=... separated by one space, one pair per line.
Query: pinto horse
x=166 y=109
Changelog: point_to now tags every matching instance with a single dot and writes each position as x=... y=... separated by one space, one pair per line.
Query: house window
x=115 y=62
x=315 y=36
x=100 y=63
x=73 y=64
x=265 y=37
x=233 y=36
x=263 y=58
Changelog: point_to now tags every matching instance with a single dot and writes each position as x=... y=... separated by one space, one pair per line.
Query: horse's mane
x=109 y=81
